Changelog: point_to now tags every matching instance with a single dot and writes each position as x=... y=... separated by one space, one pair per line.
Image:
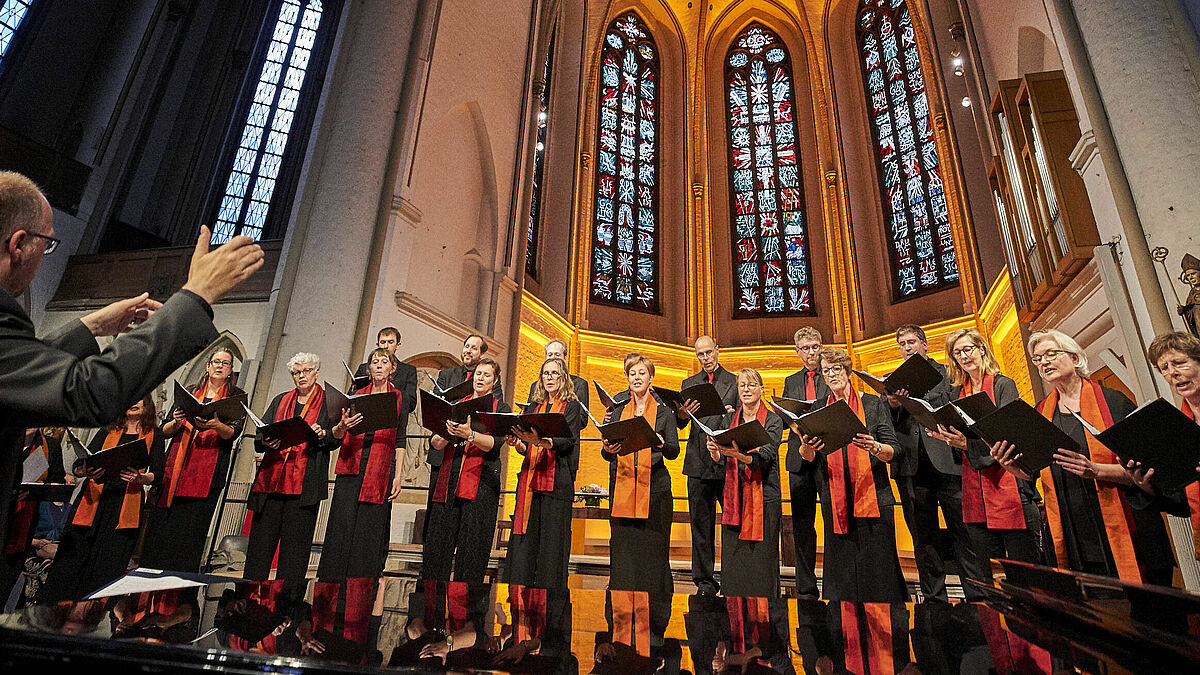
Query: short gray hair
x=1064 y=342
x=305 y=357
x=565 y=347
x=21 y=204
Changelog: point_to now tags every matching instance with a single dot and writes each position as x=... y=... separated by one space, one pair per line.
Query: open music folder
x=608 y=401
x=436 y=411
x=959 y=415
x=356 y=381
x=547 y=425
x=633 y=434
x=458 y=391
x=835 y=424
x=704 y=393
x=1159 y=436
x=378 y=410
x=916 y=376
x=790 y=408
x=1035 y=437
x=748 y=435
x=131 y=455
x=290 y=432
x=229 y=409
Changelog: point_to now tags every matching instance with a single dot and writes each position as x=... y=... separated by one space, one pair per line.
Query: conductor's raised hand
x=121 y=316
x=213 y=273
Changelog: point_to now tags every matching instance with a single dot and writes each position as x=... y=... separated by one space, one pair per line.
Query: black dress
x=176 y=534
x=90 y=556
x=861 y=564
x=640 y=548
x=286 y=522
x=540 y=556
x=462 y=529
x=751 y=568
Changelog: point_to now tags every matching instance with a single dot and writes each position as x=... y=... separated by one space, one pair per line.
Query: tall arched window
x=770 y=244
x=539 y=164
x=12 y=13
x=263 y=140
x=914 y=198
x=625 y=241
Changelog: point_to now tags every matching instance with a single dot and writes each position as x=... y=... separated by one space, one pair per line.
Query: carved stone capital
x=697 y=190
x=586 y=159
x=831 y=177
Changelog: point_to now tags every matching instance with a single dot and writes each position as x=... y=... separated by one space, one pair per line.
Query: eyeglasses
x=964 y=351
x=1048 y=355
x=834 y=370
x=749 y=385
x=220 y=363
x=303 y=371
x=706 y=354
x=553 y=375
x=51 y=242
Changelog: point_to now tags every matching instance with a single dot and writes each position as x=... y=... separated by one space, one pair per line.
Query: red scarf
x=192 y=459
x=877 y=641
x=748 y=614
x=25 y=511
x=851 y=481
x=990 y=496
x=537 y=472
x=631 y=489
x=743 y=505
x=528 y=607
x=360 y=600
x=631 y=619
x=447 y=605
x=377 y=476
x=131 y=503
x=469 y=470
x=1193 y=494
x=1118 y=520
x=282 y=471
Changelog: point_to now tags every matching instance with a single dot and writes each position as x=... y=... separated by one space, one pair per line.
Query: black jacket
x=914 y=442
x=696 y=462
x=793 y=387
x=66 y=380
x=316 y=468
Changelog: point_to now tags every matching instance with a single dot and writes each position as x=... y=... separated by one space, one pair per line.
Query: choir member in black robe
x=999 y=510
x=1176 y=355
x=759 y=640
x=557 y=349
x=873 y=637
x=196 y=471
x=464 y=492
x=805 y=384
x=540 y=546
x=861 y=563
x=473 y=349
x=640 y=488
x=104 y=524
x=368 y=479
x=405 y=377
x=292 y=481
x=705 y=478
x=1087 y=493
x=752 y=505
x=23 y=514
x=343 y=618
x=928 y=474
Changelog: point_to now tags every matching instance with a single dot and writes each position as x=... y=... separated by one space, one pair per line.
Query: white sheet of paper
x=35 y=465
x=145 y=580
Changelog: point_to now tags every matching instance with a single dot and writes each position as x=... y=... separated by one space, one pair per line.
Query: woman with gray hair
x=292 y=480
x=1087 y=493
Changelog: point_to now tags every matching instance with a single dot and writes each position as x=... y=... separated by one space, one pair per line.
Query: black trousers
x=356 y=536
x=462 y=533
x=1023 y=545
x=804 y=529
x=281 y=523
x=175 y=535
x=703 y=495
x=920 y=497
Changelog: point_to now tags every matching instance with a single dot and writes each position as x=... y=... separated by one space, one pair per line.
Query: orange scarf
x=1113 y=508
x=1193 y=494
x=990 y=496
x=631 y=619
x=748 y=615
x=743 y=503
x=870 y=652
x=631 y=489
x=131 y=504
x=537 y=472
x=847 y=463
x=183 y=446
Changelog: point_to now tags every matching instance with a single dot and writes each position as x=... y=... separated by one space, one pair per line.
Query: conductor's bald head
x=26 y=228
x=708 y=353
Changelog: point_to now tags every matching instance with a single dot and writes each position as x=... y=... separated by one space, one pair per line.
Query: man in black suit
x=705 y=478
x=405 y=376
x=474 y=347
x=557 y=349
x=928 y=474
x=805 y=384
x=66 y=380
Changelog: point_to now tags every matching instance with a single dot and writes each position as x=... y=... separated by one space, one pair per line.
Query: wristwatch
x=449 y=642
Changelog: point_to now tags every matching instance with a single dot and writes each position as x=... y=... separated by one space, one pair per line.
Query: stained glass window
x=625 y=238
x=264 y=136
x=913 y=195
x=770 y=244
x=539 y=158
x=12 y=13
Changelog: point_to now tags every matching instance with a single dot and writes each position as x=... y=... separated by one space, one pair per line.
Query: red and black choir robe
x=198 y=459
x=991 y=496
x=378 y=473
x=23 y=514
x=750 y=513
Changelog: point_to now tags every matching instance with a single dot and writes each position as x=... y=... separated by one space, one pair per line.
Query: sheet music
x=35 y=465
